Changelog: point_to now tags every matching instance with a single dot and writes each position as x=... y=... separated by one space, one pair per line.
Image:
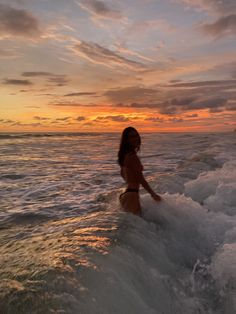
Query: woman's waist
x=132 y=187
x=128 y=190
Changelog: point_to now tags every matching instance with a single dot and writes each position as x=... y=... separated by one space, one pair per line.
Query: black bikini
x=129 y=190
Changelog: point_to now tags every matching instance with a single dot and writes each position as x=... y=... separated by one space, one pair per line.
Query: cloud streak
x=100 y=10
x=220 y=7
x=179 y=98
x=59 y=80
x=52 y=79
x=115 y=118
x=80 y=94
x=37 y=74
x=17 y=82
x=41 y=118
x=130 y=94
x=178 y=106
x=98 y=54
x=70 y=104
x=216 y=83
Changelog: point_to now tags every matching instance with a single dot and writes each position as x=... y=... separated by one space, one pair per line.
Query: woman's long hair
x=125 y=146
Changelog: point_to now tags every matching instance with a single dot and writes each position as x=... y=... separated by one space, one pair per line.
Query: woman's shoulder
x=131 y=155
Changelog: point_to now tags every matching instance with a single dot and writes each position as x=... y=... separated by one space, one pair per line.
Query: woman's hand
x=156 y=197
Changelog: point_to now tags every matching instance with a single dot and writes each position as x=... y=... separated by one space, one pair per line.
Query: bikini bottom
x=129 y=201
x=129 y=190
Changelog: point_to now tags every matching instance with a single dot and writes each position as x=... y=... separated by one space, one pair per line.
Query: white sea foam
x=215 y=189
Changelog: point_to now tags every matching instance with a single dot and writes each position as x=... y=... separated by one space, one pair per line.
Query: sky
x=100 y=66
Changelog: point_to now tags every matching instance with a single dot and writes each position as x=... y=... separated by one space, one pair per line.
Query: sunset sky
x=89 y=65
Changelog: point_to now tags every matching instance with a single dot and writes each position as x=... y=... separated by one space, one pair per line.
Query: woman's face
x=133 y=138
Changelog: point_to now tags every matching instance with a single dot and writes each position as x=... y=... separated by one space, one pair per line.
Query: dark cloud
x=80 y=94
x=41 y=118
x=154 y=119
x=6 y=121
x=205 y=83
x=224 y=25
x=18 y=23
x=54 y=79
x=63 y=119
x=36 y=74
x=226 y=68
x=71 y=104
x=144 y=105
x=130 y=94
x=211 y=95
x=101 y=55
x=17 y=123
x=211 y=103
x=175 y=81
x=59 y=80
x=55 y=122
x=137 y=105
x=61 y=104
x=176 y=120
x=202 y=90
x=177 y=98
x=176 y=106
x=80 y=118
x=231 y=107
x=100 y=10
x=117 y=118
x=17 y=82
x=194 y=115
x=89 y=123
x=233 y=71
x=224 y=9
x=216 y=109
x=181 y=105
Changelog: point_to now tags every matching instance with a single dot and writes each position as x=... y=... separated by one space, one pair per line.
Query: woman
x=131 y=171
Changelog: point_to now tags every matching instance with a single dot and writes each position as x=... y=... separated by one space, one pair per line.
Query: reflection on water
x=42 y=259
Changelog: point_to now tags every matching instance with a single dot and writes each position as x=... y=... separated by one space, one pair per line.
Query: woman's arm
x=147 y=187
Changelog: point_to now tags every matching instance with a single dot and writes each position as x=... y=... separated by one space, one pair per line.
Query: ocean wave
x=4 y=136
x=25 y=218
x=12 y=176
x=215 y=189
x=175 y=260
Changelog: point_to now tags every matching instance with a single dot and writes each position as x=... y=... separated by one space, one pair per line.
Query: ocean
x=67 y=247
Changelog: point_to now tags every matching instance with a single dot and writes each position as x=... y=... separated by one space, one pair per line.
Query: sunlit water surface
x=66 y=247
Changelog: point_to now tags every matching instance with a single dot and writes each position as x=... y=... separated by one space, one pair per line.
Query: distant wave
x=23 y=218
x=12 y=176
x=40 y=135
